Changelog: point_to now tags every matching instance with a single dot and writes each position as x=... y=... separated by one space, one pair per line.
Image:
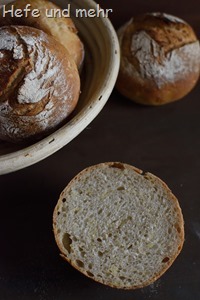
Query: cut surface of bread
x=118 y=225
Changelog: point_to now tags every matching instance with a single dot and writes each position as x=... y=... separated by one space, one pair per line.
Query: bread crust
x=39 y=84
x=155 y=180
x=159 y=59
x=61 y=28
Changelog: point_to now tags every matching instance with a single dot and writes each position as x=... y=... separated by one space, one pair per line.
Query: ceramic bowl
x=100 y=72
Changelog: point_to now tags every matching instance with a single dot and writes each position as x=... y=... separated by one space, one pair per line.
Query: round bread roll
x=39 y=83
x=160 y=59
x=119 y=226
x=61 y=28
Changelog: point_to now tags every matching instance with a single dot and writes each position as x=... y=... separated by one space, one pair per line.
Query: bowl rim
x=55 y=141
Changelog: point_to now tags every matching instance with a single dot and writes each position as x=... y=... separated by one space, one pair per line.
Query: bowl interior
x=98 y=77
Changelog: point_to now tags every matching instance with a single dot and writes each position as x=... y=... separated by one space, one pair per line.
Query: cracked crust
x=39 y=83
x=160 y=57
x=61 y=28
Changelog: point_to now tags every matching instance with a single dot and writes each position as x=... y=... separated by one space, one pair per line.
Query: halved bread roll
x=119 y=226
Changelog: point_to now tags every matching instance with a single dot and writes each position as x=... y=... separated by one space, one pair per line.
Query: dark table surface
x=163 y=140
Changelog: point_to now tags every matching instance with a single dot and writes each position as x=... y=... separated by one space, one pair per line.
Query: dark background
x=163 y=140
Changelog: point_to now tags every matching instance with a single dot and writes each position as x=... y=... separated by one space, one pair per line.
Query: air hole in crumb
x=121 y=188
x=64 y=200
x=90 y=266
x=100 y=211
x=58 y=213
x=99 y=240
x=178 y=229
x=100 y=254
x=122 y=277
x=89 y=274
x=82 y=252
x=117 y=166
x=166 y=259
x=169 y=230
x=79 y=263
x=66 y=240
x=63 y=209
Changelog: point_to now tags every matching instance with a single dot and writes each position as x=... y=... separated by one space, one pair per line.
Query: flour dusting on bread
x=168 y=17
x=40 y=86
x=159 y=66
x=160 y=57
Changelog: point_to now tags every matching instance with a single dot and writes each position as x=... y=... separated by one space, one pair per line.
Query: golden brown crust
x=147 y=93
x=155 y=180
x=61 y=28
x=40 y=84
x=159 y=59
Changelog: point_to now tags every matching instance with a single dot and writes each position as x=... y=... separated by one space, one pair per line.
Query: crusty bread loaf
x=160 y=59
x=61 y=28
x=118 y=225
x=39 y=83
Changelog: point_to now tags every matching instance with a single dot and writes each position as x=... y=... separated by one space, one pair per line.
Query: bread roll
x=160 y=59
x=61 y=28
x=39 y=83
x=119 y=226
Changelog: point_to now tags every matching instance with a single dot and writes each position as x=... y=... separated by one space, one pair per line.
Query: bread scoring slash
x=48 y=17
x=160 y=57
x=39 y=84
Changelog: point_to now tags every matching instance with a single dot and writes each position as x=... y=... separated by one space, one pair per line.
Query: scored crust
x=159 y=59
x=39 y=83
x=60 y=209
x=61 y=28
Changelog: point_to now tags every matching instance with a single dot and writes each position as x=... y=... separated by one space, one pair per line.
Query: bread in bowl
x=39 y=84
x=61 y=28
